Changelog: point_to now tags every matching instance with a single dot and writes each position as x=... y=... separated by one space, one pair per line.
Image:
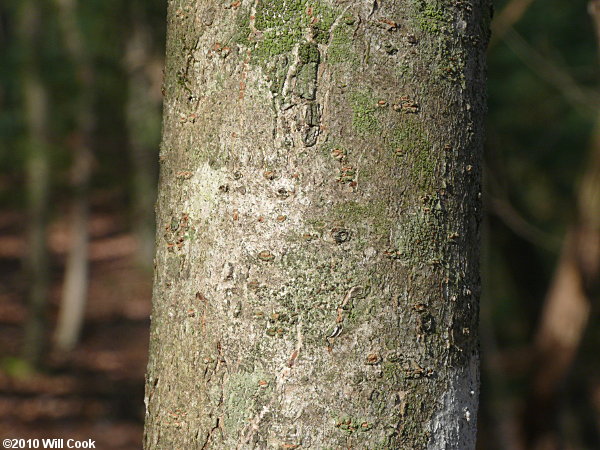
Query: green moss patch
x=341 y=47
x=284 y=23
x=431 y=18
x=412 y=148
x=365 y=112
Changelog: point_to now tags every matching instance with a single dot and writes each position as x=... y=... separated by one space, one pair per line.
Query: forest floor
x=95 y=392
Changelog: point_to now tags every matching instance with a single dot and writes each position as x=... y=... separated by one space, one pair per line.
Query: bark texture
x=317 y=237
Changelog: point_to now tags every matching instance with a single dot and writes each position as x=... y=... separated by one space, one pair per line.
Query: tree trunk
x=317 y=275
x=571 y=298
x=74 y=296
x=567 y=308
x=143 y=119
x=35 y=96
x=75 y=287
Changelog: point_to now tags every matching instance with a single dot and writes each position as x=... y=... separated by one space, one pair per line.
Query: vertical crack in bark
x=210 y=433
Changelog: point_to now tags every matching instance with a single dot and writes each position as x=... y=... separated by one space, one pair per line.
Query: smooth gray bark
x=316 y=276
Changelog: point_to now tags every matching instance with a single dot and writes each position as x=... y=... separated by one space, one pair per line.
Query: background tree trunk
x=144 y=70
x=35 y=98
x=571 y=297
x=318 y=226
x=74 y=296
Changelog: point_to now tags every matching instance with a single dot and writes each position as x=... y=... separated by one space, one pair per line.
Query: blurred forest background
x=80 y=106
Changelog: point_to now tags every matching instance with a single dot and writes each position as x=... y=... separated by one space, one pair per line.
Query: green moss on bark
x=412 y=148
x=284 y=23
x=341 y=47
x=365 y=112
x=431 y=17
x=371 y=217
